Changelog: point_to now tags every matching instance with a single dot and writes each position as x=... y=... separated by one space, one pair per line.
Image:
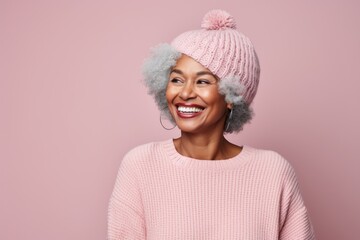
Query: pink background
x=72 y=103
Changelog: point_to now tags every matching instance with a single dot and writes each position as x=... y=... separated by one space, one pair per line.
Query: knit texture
x=222 y=49
x=160 y=194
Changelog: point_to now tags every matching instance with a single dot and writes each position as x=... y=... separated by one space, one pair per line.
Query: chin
x=187 y=128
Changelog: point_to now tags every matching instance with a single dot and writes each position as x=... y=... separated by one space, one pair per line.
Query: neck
x=209 y=146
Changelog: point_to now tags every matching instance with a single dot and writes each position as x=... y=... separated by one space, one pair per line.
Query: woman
x=201 y=186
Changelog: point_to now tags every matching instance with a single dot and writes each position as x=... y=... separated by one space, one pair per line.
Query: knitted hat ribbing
x=223 y=50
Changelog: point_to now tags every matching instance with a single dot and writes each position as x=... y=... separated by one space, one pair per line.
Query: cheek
x=212 y=96
x=170 y=93
x=208 y=94
x=217 y=101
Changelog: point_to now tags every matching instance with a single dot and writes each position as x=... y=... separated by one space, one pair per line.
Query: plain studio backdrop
x=72 y=104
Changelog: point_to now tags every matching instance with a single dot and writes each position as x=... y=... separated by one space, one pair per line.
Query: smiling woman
x=201 y=186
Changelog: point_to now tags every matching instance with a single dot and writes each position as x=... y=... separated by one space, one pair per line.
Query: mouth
x=189 y=111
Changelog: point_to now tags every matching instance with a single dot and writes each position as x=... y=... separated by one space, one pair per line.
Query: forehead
x=187 y=62
x=186 y=65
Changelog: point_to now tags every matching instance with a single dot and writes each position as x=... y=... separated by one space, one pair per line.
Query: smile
x=184 y=109
x=189 y=111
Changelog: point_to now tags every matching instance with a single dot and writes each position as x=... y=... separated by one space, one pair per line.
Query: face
x=193 y=97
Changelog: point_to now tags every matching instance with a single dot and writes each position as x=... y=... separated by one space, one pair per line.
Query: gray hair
x=156 y=70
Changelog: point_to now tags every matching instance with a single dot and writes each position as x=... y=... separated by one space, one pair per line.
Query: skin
x=191 y=84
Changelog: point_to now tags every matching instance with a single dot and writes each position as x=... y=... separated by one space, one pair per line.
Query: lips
x=188 y=110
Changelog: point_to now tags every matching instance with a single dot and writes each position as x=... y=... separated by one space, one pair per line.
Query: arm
x=294 y=221
x=125 y=212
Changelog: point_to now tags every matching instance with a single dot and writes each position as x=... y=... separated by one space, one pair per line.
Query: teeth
x=189 y=109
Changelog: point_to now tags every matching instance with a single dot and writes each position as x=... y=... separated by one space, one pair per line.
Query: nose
x=187 y=91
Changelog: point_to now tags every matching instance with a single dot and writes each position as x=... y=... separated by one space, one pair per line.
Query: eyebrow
x=198 y=73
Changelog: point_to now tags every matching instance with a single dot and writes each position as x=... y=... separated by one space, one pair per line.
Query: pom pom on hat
x=218 y=20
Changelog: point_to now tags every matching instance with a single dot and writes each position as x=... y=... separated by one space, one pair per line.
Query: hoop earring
x=228 y=121
x=163 y=124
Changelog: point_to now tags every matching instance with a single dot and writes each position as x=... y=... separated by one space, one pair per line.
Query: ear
x=229 y=106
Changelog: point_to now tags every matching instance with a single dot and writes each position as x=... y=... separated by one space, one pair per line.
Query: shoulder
x=143 y=153
x=274 y=169
x=272 y=161
x=268 y=156
x=145 y=149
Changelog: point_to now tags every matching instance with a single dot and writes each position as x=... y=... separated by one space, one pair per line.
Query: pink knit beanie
x=222 y=49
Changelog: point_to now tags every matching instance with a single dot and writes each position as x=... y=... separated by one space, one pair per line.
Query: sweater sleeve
x=294 y=221
x=125 y=212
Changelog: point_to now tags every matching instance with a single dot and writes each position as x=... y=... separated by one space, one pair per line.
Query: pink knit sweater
x=160 y=194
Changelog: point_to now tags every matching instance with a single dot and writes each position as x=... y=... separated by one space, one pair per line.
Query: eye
x=203 y=82
x=176 y=80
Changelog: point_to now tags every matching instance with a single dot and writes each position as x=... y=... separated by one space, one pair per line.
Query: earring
x=161 y=115
x=228 y=121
